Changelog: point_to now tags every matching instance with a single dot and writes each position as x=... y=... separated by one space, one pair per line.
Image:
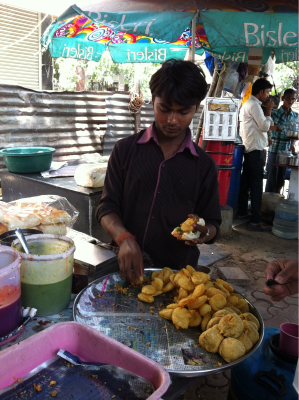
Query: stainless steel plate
x=129 y=321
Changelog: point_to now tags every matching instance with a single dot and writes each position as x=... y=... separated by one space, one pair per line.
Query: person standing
x=157 y=177
x=281 y=117
x=253 y=131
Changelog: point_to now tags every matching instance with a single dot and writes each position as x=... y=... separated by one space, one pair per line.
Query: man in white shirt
x=253 y=130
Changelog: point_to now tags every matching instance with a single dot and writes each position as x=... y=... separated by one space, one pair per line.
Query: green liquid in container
x=48 y=299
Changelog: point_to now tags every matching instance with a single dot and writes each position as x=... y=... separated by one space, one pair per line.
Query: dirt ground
x=252 y=250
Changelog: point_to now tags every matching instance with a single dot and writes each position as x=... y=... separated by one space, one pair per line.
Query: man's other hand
x=130 y=258
x=282 y=271
x=269 y=104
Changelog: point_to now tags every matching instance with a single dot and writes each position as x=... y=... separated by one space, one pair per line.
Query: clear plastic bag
x=48 y=213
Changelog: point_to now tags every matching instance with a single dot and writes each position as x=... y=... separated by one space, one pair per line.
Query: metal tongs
x=22 y=240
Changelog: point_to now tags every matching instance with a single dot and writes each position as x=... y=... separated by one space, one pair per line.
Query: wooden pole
x=210 y=94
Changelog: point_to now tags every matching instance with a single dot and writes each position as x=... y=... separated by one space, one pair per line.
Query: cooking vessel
x=8 y=237
x=293 y=161
x=283 y=158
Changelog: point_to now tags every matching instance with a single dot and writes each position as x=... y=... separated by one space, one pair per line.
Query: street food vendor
x=157 y=177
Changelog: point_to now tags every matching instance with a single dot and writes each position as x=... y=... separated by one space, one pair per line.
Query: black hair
x=260 y=84
x=290 y=91
x=180 y=81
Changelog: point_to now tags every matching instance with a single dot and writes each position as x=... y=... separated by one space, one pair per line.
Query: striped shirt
x=279 y=139
x=152 y=196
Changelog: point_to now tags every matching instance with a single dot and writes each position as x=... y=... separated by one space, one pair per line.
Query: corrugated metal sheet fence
x=73 y=122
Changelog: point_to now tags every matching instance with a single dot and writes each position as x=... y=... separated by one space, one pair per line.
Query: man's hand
x=282 y=271
x=207 y=233
x=130 y=258
x=269 y=104
x=275 y=128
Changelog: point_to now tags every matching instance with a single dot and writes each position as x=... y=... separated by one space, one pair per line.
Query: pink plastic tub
x=85 y=342
x=289 y=338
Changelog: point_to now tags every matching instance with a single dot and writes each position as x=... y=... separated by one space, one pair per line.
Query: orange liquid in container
x=10 y=290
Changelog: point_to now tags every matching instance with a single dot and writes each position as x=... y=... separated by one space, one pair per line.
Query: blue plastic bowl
x=27 y=160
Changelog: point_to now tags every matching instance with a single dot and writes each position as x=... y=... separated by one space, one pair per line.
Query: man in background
x=254 y=128
x=281 y=117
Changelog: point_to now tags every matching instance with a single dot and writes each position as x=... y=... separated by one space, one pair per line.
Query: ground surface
x=251 y=250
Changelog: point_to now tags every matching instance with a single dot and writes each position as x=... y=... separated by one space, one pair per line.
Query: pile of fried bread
x=228 y=327
x=34 y=215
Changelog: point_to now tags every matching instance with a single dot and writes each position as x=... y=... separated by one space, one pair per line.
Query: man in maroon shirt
x=157 y=177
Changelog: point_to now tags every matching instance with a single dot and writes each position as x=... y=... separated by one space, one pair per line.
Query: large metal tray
x=130 y=321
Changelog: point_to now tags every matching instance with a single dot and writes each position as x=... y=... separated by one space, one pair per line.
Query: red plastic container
x=84 y=342
x=218 y=146
x=225 y=159
x=224 y=174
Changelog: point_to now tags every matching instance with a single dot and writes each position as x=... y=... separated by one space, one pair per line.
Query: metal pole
x=193 y=27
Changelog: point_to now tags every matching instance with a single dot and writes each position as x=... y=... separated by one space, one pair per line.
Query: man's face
x=264 y=94
x=172 y=119
x=288 y=100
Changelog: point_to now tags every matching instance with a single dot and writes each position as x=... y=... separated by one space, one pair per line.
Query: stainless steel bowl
x=293 y=161
x=8 y=237
x=282 y=159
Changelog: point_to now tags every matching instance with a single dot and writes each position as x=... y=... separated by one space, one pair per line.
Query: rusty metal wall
x=120 y=122
x=73 y=122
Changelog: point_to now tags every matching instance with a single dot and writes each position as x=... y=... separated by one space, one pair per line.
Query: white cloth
x=254 y=125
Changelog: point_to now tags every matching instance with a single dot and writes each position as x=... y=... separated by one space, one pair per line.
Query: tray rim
x=195 y=373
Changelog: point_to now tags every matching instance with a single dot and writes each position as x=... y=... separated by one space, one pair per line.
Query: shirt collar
x=150 y=133
x=282 y=111
x=255 y=99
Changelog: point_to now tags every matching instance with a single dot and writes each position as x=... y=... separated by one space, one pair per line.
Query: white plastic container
x=46 y=273
x=10 y=290
x=285 y=223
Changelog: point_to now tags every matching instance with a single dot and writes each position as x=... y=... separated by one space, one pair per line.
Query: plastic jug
x=10 y=290
x=285 y=223
x=46 y=273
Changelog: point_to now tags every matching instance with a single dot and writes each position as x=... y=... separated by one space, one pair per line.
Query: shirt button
x=153 y=217
x=159 y=191
x=163 y=165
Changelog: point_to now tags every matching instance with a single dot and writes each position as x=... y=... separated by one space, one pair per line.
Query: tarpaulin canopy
x=153 y=31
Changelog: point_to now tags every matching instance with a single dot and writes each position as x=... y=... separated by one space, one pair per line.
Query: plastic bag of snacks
x=48 y=213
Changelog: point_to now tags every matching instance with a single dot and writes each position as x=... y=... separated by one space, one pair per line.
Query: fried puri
x=195 y=319
x=243 y=306
x=157 y=283
x=198 y=302
x=205 y=321
x=225 y=284
x=213 y=321
x=181 y=317
x=249 y=323
x=166 y=313
x=250 y=317
x=199 y=290
x=231 y=325
x=147 y=298
x=246 y=341
x=186 y=284
x=190 y=269
x=221 y=313
x=231 y=349
x=200 y=277
x=148 y=289
x=217 y=302
x=211 y=339
x=251 y=333
x=205 y=309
